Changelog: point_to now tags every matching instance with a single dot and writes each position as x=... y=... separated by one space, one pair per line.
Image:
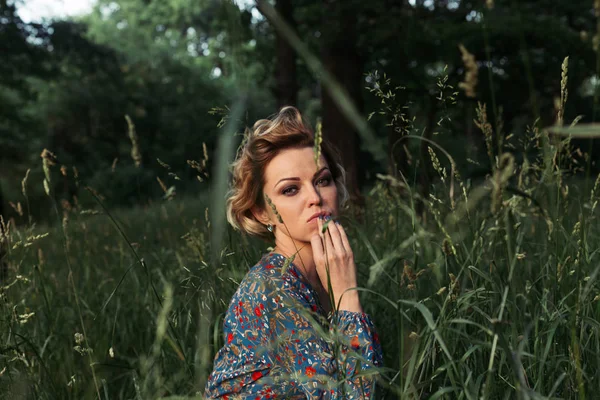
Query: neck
x=303 y=259
x=306 y=265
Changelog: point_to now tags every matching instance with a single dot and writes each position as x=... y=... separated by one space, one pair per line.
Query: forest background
x=140 y=103
x=67 y=85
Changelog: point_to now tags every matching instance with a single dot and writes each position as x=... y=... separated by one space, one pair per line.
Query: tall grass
x=490 y=291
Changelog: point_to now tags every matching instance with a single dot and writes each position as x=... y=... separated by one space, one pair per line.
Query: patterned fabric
x=279 y=343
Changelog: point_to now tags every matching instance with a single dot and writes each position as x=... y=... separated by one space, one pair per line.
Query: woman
x=283 y=336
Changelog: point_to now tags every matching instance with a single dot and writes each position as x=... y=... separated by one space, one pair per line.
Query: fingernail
x=337 y=222
x=320 y=217
x=327 y=217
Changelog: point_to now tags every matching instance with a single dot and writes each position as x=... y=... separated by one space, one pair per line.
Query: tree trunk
x=286 y=90
x=340 y=57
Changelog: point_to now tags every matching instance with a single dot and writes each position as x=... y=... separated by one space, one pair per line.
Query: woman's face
x=300 y=191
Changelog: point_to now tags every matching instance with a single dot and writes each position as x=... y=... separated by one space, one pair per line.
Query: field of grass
x=490 y=292
x=480 y=290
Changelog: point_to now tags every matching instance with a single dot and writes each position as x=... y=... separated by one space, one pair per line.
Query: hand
x=332 y=250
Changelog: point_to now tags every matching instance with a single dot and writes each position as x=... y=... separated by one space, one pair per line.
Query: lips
x=317 y=214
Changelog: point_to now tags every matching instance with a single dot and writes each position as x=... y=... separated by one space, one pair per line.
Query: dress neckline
x=281 y=258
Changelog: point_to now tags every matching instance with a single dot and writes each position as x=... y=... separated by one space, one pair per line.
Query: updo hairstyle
x=287 y=129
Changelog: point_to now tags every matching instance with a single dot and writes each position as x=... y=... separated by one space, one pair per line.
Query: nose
x=314 y=196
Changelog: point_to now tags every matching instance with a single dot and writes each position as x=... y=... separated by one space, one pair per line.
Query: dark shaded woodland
x=68 y=85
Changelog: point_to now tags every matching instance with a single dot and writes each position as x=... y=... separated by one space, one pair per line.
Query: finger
x=317 y=247
x=320 y=227
x=344 y=237
x=336 y=237
x=329 y=248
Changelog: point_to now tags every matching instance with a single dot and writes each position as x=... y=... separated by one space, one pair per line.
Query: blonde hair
x=287 y=129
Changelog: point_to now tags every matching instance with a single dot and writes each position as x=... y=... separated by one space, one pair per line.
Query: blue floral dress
x=279 y=343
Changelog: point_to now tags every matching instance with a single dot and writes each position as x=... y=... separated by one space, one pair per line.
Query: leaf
x=430 y=323
x=591 y=130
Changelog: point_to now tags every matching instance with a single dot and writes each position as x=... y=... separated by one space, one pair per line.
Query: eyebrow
x=295 y=178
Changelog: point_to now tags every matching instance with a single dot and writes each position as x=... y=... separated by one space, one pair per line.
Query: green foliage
x=490 y=291
x=167 y=63
x=21 y=60
x=125 y=59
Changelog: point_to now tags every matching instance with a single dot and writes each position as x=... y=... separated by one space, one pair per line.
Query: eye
x=290 y=190
x=324 y=181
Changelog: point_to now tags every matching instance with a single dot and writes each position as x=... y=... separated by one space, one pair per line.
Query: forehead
x=294 y=162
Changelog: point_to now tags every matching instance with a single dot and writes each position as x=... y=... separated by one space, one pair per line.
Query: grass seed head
x=136 y=154
x=163 y=164
x=486 y=128
x=576 y=229
x=48 y=160
x=454 y=287
x=471 y=75
x=17 y=207
x=593 y=199
x=436 y=164
x=273 y=208
x=3 y=229
x=560 y=104
x=205 y=154
x=49 y=157
x=506 y=166
x=78 y=338
x=23 y=318
x=24 y=183
x=560 y=268
x=448 y=247
x=318 y=141
x=408 y=272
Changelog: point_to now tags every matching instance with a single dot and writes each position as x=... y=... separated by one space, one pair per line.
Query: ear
x=261 y=215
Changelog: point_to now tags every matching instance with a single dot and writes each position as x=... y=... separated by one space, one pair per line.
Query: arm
x=245 y=357
x=359 y=348
x=334 y=363
x=357 y=344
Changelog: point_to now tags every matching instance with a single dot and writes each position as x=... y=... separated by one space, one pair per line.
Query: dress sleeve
x=245 y=359
x=335 y=362
x=359 y=347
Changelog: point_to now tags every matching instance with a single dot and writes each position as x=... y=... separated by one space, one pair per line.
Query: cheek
x=335 y=201
x=332 y=194
x=289 y=209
